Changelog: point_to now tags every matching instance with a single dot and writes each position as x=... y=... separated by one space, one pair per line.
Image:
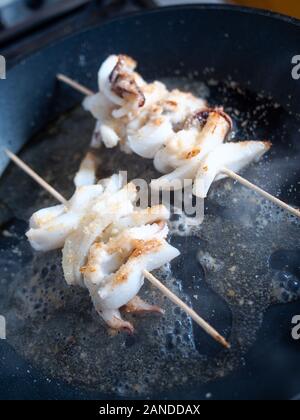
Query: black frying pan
x=251 y=48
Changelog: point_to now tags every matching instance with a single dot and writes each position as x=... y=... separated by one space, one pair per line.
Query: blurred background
x=26 y=25
x=289 y=7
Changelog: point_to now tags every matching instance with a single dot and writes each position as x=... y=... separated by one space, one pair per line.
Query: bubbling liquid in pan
x=228 y=270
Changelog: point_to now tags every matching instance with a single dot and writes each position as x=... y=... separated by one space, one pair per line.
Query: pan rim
x=131 y=15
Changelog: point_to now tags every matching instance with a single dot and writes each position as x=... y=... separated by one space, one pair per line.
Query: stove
x=27 y=25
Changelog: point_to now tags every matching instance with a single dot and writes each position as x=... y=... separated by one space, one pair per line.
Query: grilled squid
x=95 y=221
x=233 y=156
x=119 y=82
x=107 y=242
x=50 y=227
x=174 y=128
x=140 y=116
x=87 y=171
x=180 y=158
x=157 y=127
x=105 y=131
x=109 y=250
x=114 y=270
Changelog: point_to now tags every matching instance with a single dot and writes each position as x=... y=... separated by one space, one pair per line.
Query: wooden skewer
x=200 y=321
x=228 y=172
x=77 y=86
x=175 y=299
x=36 y=177
x=262 y=192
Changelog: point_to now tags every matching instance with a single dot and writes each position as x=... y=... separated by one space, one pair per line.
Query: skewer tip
x=10 y=155
x=224 y=342
x=61 y=77
x=175 y=299
x=7 y=151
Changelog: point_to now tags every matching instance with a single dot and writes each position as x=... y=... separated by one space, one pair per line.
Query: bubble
x=286 y=286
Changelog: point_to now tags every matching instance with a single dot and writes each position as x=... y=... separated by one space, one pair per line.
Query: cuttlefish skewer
x=82 y=89
x=136 y=304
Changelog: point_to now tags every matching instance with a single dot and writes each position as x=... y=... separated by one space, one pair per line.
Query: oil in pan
x=228 y=269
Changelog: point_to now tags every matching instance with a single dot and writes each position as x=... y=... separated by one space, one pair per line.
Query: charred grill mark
x=145 y=247
x=169 y=106
x=200 y=118
x=97 y=135
x=123 y=60
x=140 y=248
x=125 y=87
x=88 y=269
x=192 y=153
x=123 y=84
x=120 y=278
